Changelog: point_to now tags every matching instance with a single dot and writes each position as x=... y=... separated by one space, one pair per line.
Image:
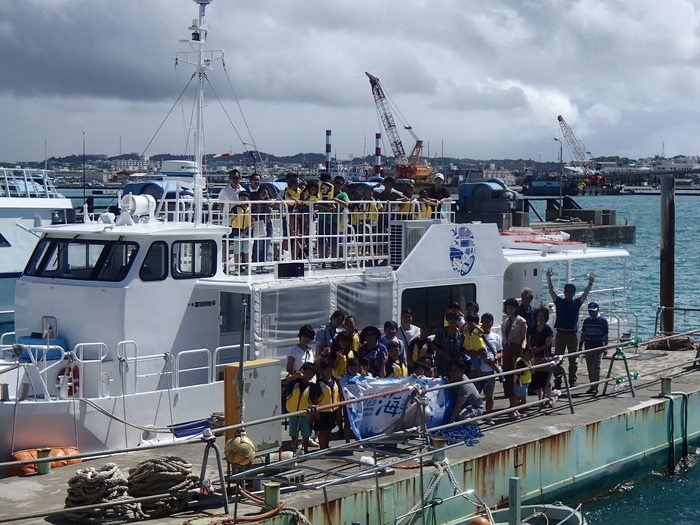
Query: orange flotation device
x=30 y=468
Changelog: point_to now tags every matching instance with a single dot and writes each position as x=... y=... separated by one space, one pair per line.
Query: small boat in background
x=28 y=199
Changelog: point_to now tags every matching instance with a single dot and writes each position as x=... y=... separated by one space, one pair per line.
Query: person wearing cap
x=371 y=349
x=438 y=193
x=594 y=334
x=566 y=325
x=229 y=193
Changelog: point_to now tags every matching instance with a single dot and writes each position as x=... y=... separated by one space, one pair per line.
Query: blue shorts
x=520 y=389
x=299 y=423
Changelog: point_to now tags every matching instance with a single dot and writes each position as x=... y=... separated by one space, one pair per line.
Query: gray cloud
x=487 y=79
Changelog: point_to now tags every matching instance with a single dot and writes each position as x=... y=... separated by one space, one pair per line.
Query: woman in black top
x=539 y=338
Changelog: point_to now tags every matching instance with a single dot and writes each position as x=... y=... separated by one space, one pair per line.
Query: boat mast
x=198 y=41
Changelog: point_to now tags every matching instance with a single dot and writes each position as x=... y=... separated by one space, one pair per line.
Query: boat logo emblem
x=462 y=250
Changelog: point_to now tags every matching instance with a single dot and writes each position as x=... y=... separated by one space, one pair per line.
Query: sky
x=474 y=79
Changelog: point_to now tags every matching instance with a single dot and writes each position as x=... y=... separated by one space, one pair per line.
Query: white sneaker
x=313 y=441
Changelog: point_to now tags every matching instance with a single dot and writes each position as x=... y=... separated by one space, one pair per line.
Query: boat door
x=234 y=311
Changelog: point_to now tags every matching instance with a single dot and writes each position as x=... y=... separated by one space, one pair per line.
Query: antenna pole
x=198 y=41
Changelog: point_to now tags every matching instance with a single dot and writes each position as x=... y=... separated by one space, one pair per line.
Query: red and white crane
x=579 y=153
x=411 y=167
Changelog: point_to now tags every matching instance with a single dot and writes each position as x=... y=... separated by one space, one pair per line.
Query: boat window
x=3 y=241
x=283 y=311
x=429 y=304
x=370 y=302
x=80 y=259
x=155 y=265
x=193 y=259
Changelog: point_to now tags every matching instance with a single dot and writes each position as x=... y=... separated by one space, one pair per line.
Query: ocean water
x=656 y=498
x=643 y=269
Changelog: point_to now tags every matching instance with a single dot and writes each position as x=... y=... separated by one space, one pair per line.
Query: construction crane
x=407 y=167
x=579 y=153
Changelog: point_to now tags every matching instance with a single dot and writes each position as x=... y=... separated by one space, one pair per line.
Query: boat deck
x=46 y=493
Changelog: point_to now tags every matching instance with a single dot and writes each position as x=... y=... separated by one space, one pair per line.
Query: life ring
x=72 y=376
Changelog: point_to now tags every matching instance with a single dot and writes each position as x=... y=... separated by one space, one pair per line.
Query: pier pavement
x=45 y=494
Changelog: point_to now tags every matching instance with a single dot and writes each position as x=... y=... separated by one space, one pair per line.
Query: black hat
x=309 y=366
x=370 y=330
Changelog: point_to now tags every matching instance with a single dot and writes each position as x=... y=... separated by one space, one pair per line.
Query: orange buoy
x=480 y=520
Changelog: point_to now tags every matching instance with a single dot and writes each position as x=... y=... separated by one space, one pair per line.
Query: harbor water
x=643 y=266
x=656 y=498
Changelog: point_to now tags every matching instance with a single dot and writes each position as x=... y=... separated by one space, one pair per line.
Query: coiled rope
x=170 y=476
x=467 y=433
x=90 y=486
x=160 y=475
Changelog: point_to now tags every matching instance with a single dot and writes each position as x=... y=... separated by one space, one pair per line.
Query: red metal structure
x=406 y=167
x=579 y=153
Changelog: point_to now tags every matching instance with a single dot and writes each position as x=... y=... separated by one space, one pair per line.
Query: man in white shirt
x=407 y=331
x=229 y=193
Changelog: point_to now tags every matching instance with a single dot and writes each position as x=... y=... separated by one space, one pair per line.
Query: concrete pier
x=557 y=454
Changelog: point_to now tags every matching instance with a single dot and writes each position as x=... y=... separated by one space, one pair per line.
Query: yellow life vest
x=329 y=395
x=398 y=370
x=473 y=341
x=425 y=212
x=420 y=350
x=526 y=375
x=241 y=220
x=298 y=399
x=341 y=365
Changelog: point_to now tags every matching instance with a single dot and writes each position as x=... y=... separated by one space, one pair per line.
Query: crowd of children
x=397 y=351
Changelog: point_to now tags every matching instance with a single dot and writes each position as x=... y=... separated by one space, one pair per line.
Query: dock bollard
x=45 y=467
x=4 y=392
x=439 y=453
x=666 y=386
x=272 y=494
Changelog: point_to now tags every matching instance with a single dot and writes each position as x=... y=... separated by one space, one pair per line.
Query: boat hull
x=94 y=424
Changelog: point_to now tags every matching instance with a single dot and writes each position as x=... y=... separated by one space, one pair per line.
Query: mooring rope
x=157 y=476
x=90 y=486
x=468 y=433
x=440 y=468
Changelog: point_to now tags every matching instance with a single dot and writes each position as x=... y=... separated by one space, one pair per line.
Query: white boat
x=125 y=323
x=27 y=199
x=517 y=513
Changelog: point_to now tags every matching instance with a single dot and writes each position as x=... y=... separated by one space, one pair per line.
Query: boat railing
x=43 y=367
x=317 y=233
x=26 y=183
x=232 y=356
x=6 y=338
x=128 y=366
x=181 y=369
x=38 y=368
x=90 y=358
x=618 y=332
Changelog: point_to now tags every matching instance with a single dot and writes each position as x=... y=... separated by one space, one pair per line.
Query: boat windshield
x=83 y=260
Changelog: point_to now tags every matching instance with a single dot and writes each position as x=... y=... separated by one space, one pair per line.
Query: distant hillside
x=306 y=160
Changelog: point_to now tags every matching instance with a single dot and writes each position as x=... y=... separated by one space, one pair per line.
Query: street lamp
x=561 y=181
